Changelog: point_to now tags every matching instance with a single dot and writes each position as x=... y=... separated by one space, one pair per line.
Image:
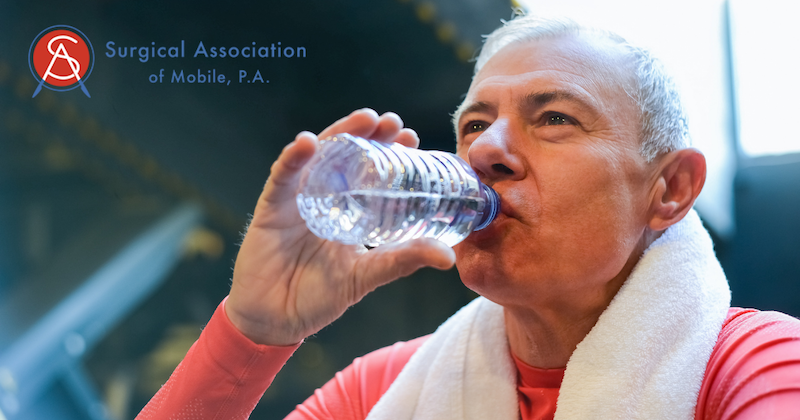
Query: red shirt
x=538 y=390
x=753 y=373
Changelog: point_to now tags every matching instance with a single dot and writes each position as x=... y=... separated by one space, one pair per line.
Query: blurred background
x=120 y=214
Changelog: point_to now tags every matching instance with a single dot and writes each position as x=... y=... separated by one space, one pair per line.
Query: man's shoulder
x=387 y=362
x=755 y=364
x=752 y=325
x=738 y=316
x=751 y=335
x=355 y=390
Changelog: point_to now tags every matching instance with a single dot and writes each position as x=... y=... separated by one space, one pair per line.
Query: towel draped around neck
x=644 y=359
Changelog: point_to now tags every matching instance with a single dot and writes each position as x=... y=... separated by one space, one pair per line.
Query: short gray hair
x=662 y=117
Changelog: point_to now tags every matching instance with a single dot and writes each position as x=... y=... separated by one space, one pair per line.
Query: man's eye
x=474 y=126
x=557 y=119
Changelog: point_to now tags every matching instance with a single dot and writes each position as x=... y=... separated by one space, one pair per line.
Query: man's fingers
x=408 y=137
x=367 y=124
x=389 y=125
x=285 y=172
x=387 y=263
x=362 y=123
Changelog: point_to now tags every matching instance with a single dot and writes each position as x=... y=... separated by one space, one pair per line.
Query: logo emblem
x=61 y=58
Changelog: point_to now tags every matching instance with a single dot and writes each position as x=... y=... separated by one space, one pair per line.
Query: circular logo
x=61 y=58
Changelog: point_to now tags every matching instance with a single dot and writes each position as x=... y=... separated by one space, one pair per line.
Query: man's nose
x=493 y=154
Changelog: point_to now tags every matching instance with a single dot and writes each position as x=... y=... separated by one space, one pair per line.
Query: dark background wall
x=762 y=260
x=79 y=177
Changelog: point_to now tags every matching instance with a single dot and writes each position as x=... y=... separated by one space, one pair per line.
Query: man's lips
x=506 y=209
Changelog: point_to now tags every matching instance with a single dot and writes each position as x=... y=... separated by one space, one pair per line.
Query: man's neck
x=545 y=336
x=546 y=339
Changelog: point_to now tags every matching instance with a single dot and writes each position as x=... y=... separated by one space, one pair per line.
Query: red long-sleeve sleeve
x=753 y=373
x=222 y=377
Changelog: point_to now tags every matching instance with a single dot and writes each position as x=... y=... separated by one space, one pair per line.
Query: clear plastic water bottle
x=359 y=191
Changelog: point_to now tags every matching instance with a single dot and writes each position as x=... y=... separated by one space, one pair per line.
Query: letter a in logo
x=61 y=58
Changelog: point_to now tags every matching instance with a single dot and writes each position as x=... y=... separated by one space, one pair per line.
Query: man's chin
x=474 y=262
x=481 y=279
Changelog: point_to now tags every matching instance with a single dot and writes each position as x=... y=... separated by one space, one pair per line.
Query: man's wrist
x=257 y=332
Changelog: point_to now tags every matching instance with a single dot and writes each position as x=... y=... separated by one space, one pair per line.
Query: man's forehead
x=589 y=49
x=596 y=70
x=583 y=58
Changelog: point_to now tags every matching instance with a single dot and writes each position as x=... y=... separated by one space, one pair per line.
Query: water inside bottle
x=376 y=217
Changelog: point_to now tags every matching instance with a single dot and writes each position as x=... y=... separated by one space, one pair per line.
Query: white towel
x=644 y=359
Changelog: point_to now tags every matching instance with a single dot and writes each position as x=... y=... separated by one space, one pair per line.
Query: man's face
x=549 y=125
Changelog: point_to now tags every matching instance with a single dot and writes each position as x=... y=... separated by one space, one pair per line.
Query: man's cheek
x=462 y=151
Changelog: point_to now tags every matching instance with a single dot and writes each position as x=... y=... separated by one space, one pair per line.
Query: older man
x=601 y=296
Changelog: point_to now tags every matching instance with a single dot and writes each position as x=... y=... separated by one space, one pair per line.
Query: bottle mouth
x=492 y=207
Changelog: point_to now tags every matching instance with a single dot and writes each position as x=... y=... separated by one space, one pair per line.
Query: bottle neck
x=492 y=207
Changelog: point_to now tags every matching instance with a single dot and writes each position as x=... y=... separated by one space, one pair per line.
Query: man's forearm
x=223 y=376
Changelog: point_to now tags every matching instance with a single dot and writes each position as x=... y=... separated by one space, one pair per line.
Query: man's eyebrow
x=540 y=99
x=476 y=107
x=531 y=100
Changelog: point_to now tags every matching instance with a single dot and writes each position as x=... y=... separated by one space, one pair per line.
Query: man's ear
x=680 y=179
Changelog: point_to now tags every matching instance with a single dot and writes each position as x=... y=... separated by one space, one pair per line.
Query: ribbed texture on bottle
x=358 y=191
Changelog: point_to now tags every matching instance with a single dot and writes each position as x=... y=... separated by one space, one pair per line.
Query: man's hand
x=288 y=283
